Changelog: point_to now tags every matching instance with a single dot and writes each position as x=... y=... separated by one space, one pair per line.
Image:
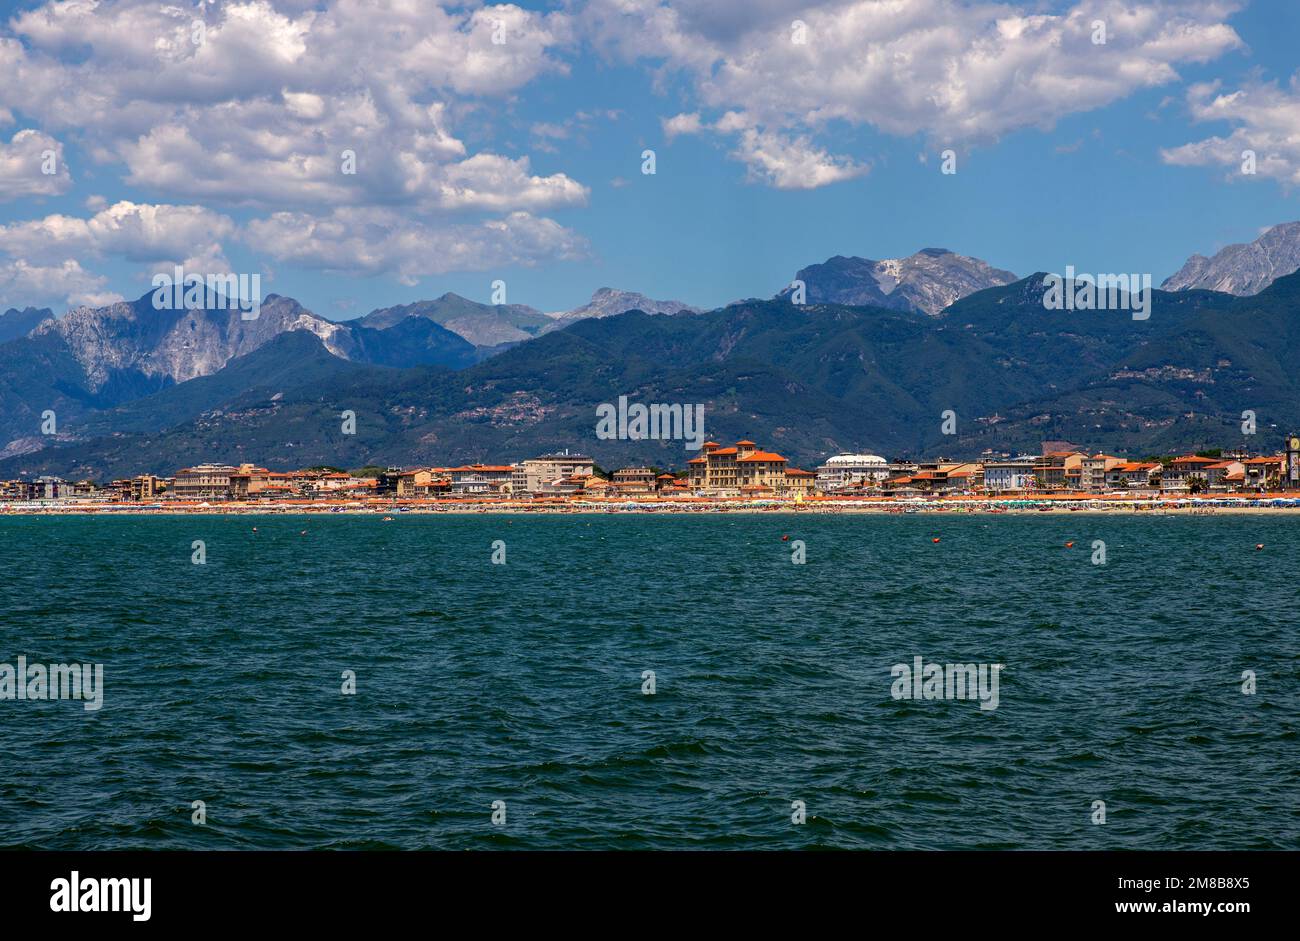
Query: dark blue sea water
x=522 y=682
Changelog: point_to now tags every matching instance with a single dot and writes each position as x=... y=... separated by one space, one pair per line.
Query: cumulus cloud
x=64 y=284
x=272 y=105
x=792 y=163
x=954 y=71
x=1267 y=119
x=680 y=124
x=146 y=234
x=373 y=241
x=26 y=163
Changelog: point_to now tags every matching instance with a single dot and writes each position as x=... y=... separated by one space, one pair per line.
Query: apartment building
x=548 y=473
x=204 y=482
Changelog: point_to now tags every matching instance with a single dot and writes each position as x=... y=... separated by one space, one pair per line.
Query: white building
x=547 y=474
x=1014 y=474
x=850 y=470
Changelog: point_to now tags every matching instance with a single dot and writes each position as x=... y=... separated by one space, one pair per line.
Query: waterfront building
x=1003 y=476
x=251 y=481
x=1133 y=475
x=1186 y=473
x=1059 y=470
x=741 y=469
x=204 y=482
x=844 y=471
x=49 y=488
x=547 y=473
x=1264 y=473
x=408 y=482
x=634 y=480
x=935 y=477
x=480 y=479
x=145 y=487
x=1092 y=471
x=1223 y=476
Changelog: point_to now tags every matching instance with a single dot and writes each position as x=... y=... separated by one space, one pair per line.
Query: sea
x=627 y=681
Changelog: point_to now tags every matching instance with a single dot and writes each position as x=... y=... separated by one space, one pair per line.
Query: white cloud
x=260 y=110
x=24 y=162
x=23 y=284
x=146 y=234
x=370 y=242
x=954 y=71
x=792 y=163
x=1267 y=119
x=680 y=124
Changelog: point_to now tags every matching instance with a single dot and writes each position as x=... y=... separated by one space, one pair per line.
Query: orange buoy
x=785 y=538
x=935 y=539
x=1069 y=545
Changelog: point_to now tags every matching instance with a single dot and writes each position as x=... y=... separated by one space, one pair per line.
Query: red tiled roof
x=762 y=456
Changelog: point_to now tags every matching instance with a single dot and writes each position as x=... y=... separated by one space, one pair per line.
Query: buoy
x=936 y=539
x=1069 y=545
x=254 y=529
x=303 y=533
x=1258 y=546
x=785 y=538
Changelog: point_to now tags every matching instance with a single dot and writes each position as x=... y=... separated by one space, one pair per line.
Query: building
x=745 y=470
x=145 y=487
x=546 y=474
x=1092 y=471
x=204 y=482
x=634 y=480
x=1133 y=475
x=1223 y=476
x=478 y=479
x=937 y=477
x=1059 y=470
x=1186 y=474
x=845 y=471
x=250 y=481
x=1016 y=474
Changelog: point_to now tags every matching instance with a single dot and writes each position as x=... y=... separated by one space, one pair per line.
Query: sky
x=505 y=143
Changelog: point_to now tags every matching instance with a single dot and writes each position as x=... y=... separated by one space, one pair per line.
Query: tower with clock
x=1291 y=469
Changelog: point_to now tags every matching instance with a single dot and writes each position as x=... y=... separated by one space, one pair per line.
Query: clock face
x=1295 y=444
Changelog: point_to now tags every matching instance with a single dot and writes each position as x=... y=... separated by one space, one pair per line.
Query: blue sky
x=229 y=160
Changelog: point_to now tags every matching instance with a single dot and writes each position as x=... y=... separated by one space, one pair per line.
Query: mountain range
x=1244 y=268
x=928 y=281
x=137 y=389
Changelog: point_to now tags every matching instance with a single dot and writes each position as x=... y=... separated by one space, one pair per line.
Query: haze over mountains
x=138 y=389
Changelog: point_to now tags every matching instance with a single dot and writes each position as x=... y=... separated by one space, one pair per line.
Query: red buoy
x=936 y=539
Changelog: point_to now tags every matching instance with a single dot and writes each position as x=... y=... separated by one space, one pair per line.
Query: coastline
x=1018 y=506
